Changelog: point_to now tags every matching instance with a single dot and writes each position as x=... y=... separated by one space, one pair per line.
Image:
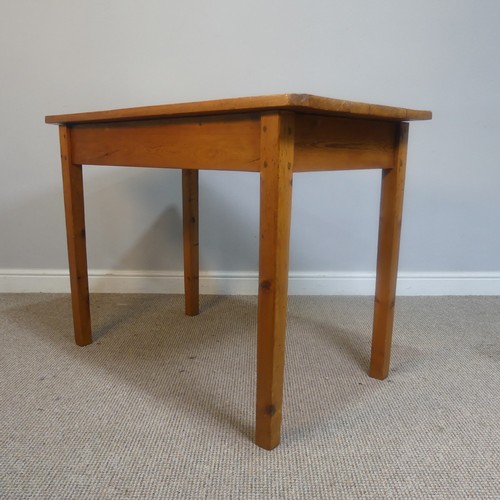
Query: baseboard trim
x=245 y=283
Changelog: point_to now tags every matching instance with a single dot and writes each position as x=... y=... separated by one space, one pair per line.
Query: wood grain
x=292 y=102
x=217 y=143
x=275 y=211
x=332 y=143
x=191 y=241
x=75 y=232
x=391 y=211
x=275 y=136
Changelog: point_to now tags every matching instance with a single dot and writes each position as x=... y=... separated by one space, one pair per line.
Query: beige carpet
x=162 y=405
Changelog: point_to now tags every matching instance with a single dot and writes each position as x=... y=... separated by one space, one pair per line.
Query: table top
x=296 y=102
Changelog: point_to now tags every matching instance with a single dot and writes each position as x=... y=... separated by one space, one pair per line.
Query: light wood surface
x=275 y=136
x=276 y=173
x=333 y=143
x=294 y=102
x=191 y=241
x=75 y=233
x=216 y=142
x=391 y=213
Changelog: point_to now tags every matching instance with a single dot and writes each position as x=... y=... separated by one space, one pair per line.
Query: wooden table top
x=296 y=102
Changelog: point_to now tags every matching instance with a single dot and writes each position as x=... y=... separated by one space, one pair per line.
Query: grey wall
x=68 y=56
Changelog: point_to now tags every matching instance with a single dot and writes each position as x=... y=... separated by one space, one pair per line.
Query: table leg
x=75 y=232
x=277 y=133
x=391 y=206
x=191 y=243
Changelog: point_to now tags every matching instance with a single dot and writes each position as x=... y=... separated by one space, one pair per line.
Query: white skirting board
x=245 y=283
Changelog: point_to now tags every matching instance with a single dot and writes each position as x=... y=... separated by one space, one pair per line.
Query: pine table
x=276 y=136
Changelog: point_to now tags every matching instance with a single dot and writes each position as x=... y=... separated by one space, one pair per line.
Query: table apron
x=333 y=143
x=232 y=142
x=229 y=142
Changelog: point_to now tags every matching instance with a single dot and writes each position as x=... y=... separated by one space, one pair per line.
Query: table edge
x=305 y=103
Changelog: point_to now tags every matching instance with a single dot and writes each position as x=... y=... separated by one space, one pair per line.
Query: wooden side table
x=276 y=136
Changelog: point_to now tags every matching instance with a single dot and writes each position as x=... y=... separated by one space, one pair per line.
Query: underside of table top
x=295 y=102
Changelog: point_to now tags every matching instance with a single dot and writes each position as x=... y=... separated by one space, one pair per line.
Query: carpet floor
x=162 y=405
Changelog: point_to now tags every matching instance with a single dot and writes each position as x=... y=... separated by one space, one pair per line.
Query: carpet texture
x=162 y=405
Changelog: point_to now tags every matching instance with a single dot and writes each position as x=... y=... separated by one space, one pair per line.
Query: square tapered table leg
x=191 y=241
x=75 y=232
x=391 y=209
x=275 y=211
